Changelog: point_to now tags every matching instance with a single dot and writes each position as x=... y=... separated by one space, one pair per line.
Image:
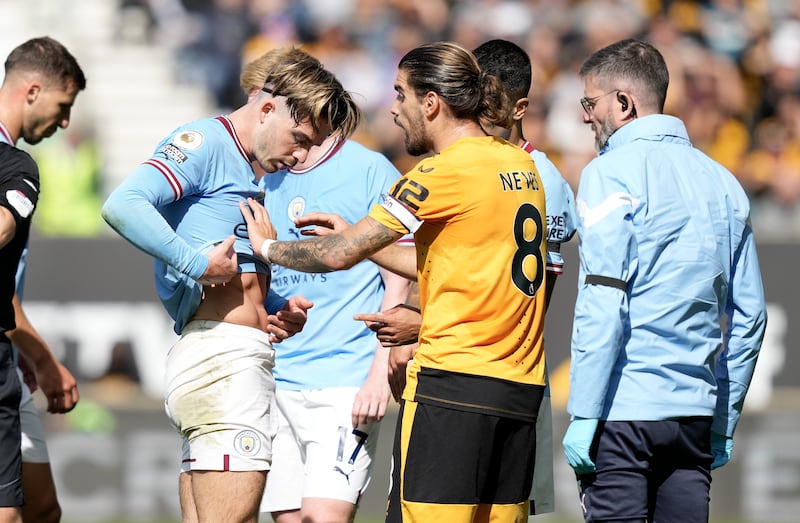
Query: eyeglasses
x=589 y=103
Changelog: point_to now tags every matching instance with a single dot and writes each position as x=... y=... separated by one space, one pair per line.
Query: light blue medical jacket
x=674 y=324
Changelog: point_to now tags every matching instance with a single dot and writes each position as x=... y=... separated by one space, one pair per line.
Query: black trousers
x=655 y=471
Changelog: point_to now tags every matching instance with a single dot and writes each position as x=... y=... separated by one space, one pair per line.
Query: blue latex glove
x=721 y=449
x=577 y=442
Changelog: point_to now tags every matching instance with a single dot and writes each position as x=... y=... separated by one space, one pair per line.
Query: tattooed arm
x=332 y=252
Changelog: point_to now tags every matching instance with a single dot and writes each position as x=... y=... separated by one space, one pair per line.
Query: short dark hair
x=634 y=61
x=49 y=57
x=509 y=63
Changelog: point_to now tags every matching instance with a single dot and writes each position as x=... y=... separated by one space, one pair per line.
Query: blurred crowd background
x=734 y=66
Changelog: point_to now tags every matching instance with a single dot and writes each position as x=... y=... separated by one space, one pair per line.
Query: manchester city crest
x=247 y=443
x=297 y=207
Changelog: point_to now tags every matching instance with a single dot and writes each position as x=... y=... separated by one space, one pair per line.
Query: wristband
x=265 y=249
x=409 y=307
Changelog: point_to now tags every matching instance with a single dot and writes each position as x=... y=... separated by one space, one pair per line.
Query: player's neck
x=516 y=136
x=457 y=129
x=9 y=126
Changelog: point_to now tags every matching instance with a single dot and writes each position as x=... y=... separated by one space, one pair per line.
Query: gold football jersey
x=477 y=210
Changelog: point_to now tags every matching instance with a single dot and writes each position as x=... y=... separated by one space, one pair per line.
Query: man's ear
x=626 y=103
x=430 y=104
x=267 y=106
x=520 y=108
x=32 y=93
x=623 y=101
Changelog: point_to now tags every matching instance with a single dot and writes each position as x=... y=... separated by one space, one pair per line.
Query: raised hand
x=259 y=228
x=325 y=223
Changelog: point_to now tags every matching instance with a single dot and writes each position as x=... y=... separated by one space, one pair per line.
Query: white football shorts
x=220 y=395
x=33 y=444
x=317 y=453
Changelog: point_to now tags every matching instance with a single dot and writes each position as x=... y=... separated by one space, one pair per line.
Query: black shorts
x=653 y=470
x=449 y=465
x=10 y=454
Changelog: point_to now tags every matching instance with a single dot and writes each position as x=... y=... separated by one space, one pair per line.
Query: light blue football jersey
x=181 y=202
x=333 y=350
x=559 y=206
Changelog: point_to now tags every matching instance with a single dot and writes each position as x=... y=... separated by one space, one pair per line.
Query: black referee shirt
x=19 y=192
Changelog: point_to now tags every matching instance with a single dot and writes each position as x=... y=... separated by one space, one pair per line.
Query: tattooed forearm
x=336 y=251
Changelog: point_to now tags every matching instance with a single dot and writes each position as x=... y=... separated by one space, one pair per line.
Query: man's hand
x=324 y=223
x=577 y=442
x=370 y=401
x=222 y=263
x=40 y=368
x=395 y=327
x=290 y=320
x=56 y=382
x=399 y=358
x=721 y=449
x=259 y=228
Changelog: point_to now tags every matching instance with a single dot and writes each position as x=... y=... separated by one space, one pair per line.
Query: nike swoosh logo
x=592 y=215
x=424 y=170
